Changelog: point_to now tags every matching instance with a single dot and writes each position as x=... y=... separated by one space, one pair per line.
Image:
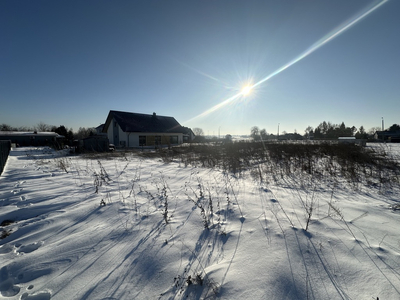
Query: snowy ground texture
x=134 y=228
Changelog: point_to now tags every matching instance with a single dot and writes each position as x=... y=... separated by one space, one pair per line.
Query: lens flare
x=313 y=48
x=246 y=90
x=322 y=42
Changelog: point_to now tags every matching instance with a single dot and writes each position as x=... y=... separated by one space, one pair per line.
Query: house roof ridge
x=139 y=122
x=143 y=114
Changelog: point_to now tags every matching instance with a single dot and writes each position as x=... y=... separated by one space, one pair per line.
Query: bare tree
x=42 y=127
x=5 y=127
x=198 y=131
x=372 y=130
x=25 y=128
x=308 y=131
x=84 y=132
x=255 y=133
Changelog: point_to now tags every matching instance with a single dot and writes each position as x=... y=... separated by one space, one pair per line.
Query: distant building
x=94 y=143
x=188 y=134
x=99 y=130
x=126 y=129
x=352 y=140
x=34 y=138
x=387 y=136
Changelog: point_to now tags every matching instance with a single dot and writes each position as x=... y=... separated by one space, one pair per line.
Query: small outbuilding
x=94 y=143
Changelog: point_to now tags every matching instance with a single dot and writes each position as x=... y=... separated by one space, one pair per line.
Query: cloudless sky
x=70 y=62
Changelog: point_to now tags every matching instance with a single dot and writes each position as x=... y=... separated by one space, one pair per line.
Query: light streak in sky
x=313 y=48
x=200 y=72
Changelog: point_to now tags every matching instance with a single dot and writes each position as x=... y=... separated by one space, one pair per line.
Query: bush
x=278 y=159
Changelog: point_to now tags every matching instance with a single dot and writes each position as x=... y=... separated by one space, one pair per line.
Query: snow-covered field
x=150 y=241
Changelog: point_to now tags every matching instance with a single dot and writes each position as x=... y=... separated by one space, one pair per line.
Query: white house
x=126 y=129
x=352 y=140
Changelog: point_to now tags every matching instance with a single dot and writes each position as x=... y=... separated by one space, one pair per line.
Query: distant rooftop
x=28 y=133
x=136 y=122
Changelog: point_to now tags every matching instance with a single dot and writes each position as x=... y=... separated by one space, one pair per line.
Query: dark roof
x=388 y=133
x=187 y=130
x=29 y=134
x=134 y=122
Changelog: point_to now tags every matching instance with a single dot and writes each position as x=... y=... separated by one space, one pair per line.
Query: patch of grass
x=5 y=233
x=395 y=207
x=6 y=223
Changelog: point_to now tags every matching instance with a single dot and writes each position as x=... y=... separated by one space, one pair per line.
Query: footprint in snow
x=16 y=191
x=30 y=248
x=6 y=249
x=23 y=198
x=23 y=204
x=42 y=295
x=7 y=287
x=19 y=183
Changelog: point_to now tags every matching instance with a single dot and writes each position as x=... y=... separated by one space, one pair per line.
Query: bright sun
x=246 y=90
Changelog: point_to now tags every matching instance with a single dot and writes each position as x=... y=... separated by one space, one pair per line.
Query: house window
x=173 y=139
x=142 y=140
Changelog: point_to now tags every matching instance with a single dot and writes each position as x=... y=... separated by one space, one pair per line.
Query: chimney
x=154 y=114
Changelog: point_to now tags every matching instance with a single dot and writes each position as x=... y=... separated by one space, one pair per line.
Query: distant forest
x=325 y=130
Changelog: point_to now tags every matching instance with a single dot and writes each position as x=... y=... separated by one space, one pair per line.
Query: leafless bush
x=192 y=277
x=165 y=200
x=358 y=165
x=198 y=202
x=100 y=177
x=63 y=164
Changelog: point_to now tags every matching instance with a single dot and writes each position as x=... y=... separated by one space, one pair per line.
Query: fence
x=5 y=147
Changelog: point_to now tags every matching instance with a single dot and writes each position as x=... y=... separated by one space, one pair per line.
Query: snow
x=150 y=235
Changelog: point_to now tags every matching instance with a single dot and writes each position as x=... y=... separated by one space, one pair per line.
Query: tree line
x=325 y=130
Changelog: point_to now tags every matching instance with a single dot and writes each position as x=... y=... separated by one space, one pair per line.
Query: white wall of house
x=109 y=135
x=131 y=139
x=110 y=132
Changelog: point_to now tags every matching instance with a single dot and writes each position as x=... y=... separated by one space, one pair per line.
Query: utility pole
x=278 y=130
x=383 y=127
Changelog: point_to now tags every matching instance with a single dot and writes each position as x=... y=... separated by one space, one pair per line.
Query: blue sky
x=70 y=62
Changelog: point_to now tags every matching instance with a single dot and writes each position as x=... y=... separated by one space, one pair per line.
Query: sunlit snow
x=149 y=240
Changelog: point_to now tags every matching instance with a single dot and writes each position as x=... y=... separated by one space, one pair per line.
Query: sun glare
x=246 y=90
